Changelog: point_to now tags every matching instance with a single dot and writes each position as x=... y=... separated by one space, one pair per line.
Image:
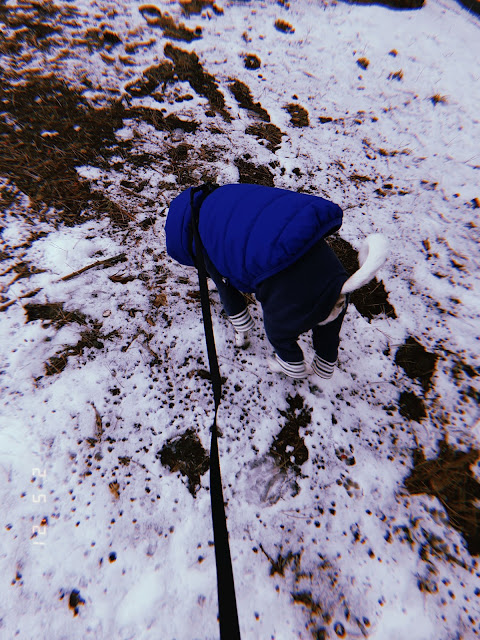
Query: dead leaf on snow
x=115 y=489
x=160 y=300
x=98 y=423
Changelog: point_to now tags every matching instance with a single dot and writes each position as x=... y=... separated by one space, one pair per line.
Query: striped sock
x=243 y=321
x=322 y=367
x=296 y=370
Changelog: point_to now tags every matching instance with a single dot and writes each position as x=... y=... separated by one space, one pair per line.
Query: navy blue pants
x=232 y=299
x=294 y=301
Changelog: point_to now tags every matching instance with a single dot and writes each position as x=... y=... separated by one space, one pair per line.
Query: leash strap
x=227 y=603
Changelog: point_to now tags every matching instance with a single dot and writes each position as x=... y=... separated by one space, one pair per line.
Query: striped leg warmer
x=242 y=323
x=323 y=368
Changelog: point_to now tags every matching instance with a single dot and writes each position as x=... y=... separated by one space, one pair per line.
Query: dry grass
x=283 y=26
x=243 y=96
x=251 y=61
x=363 y=63
x=449 y=478
x=155 y=18
x=396 y=75
x=47 y=129
x=437 y=98
x=268 y=132
x=188 y=69
x=298 y=115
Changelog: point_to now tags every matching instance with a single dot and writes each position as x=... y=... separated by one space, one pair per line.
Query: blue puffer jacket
x=251 y=232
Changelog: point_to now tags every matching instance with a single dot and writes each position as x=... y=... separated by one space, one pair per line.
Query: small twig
x=108 y=262
x=139 y=332
x=263 y=551
x=98 y=423
x=135 y=195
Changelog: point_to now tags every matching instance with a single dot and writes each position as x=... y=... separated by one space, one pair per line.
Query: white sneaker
x=297 y=370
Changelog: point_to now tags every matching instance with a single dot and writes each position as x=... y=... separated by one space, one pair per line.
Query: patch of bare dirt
x=298 y=115
x=195 y=7
x=417 y=362
x=283 y=26
x=74 y=601
x=372 y=299
x=243 y=96
x=46 y=130
x=188 y=69
x=411 y=406
x=187 y=455
x=161 y=123
x=288 y=448
x=99 y=38
x=268 y=132
x=53 y=313
x=449 y=478
x=155 y=18
x=152 y=77
x=264 y=130
x=32 y=24
x=251 y=173
x=92 y=338
x=251 y=61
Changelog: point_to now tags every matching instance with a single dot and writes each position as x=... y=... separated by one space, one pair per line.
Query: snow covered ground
x=339 y=526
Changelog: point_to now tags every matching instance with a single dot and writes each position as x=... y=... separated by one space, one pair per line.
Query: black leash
x=227 y=603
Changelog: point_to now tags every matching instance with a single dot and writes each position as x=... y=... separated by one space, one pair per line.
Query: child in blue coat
x=271 y=242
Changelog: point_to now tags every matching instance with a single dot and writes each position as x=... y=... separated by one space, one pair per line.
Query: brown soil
x=53 y=313
x=90 y=339
x=74 y=601
x=298 y=115
x=449 y=478
x=251 y=61
x=254 y=174
x=47 y=129
x=152 y=77
x=186 y=454
x=157 y=120
x=269 y=132
x=188 y=69
x=411 y=406
x=372 y=299
x=195 y=7
x=33 y=23
x=155 y=18
x=417 y=362
x=283 y=26
x=288 y=448
x=363 y=63
x=243 y=96
x=100 y=38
